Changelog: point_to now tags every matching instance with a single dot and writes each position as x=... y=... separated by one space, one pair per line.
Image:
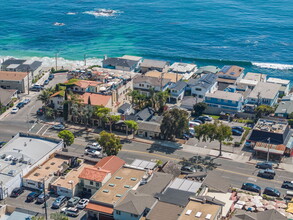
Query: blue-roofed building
x=177 y=91
x=206 y=84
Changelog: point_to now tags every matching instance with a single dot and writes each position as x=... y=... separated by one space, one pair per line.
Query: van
x=289 y=195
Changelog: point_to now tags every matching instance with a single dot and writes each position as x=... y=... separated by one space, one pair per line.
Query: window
x=198 y=89
x=118 y=212
x=97 y=185
x=91 y=183
x=133 y=215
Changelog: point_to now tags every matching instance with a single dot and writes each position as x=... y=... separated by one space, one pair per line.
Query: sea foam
x=102 y=12
x=273 y=66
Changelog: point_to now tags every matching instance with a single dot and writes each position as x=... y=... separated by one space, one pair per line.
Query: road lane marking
x=146 y=153
x=32 y=126
x=46 y=130
x=40 y=129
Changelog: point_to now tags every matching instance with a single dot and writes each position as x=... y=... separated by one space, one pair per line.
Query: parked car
x=267 y=173
x=92 y=152
x=289 y=195
x=40 y=111
x=287 y=184
x=14 y=110
x=82 y=203
x=58 y=127
x=247 y=144
x=51 y=77
x=20 y=105
x=46 y=82
x=185 y=136
x=16 y=192
x=239 y=128
x=32 y=196
x=73 y=201
x=236 y=132
x=36 y=88
x=251 y=187
x=264 y=165
x=205 y=117
x=26 y=101
x=198 y=121
x=271 y=192
x=41 y=198
x=94 y=146
x=2 y=143
x=59 y=201
x=188 y=169
x=74 y=212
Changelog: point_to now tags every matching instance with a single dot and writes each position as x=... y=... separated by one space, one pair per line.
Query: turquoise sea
x=254 y=34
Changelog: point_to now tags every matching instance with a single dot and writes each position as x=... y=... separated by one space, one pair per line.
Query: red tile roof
x=111 y=163
x=99 y=208
x=96 y=99
x=86 y=83
x=93 y=174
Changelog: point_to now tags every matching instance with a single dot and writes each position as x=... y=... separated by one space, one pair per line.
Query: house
x=177 y=91
x=264 y=94
x=144 y=83
x=145 y=115
x=82 y=86
x=258 y=77
x=46 y=171
x=126 y=109
x=206 y=84
x=284 y=109
x=68 y=185
x=138 y=203
x=228 y=75
x=173 y=77
x=185 y=69
x=266 y=215
x=20 y=81
x=103 y=202
x=93 y=178
x=202 y=208
x=207 y=69
x=22 y=154
x=57 y=100
x=164 y=210
x=226 y=101
x=285 y=84
x=18 y=65
x=149 y=129
x=133 y=58
x=149 y=65
x=247 y=82
x=120 y=64
x=7 y=95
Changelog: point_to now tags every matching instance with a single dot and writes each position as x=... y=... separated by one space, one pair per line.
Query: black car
x=46 y=82
x=267 y=173
x=32 y=196
x=287 y=184
x=251 y=187
x=239 y=128
x=264 y=165
x=20 y=105
x=16 y=192
x=40 y=111
x=51 y=77
x=271 y=192
x=236 y=132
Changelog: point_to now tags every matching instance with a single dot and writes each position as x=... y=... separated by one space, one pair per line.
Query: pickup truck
x=287 y=184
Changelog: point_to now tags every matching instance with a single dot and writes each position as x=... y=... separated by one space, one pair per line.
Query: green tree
x=37 y=218
x=49 y=113
x=264 y=110
x=132 y=125
x=102 y=113
x=199 y=108
x=161 y=99
x=44 y=96
x=290 y=116
x=112 y=119
x=67 y=137
x=174 y=124
x=65 y=106
x=214 y=132
x=58 y=216
x=110 y=143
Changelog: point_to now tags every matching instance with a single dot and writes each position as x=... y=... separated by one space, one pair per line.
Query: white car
x=82 y=203
x=70 y=211
x=92 y=152
x=14 y=110
x=94 y=146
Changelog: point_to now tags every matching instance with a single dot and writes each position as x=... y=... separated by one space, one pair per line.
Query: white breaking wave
x=103 y=12
x=71 y=13
x=273 y=66
x=49 y=62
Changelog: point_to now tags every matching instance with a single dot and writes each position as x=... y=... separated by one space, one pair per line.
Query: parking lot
x=20 y=202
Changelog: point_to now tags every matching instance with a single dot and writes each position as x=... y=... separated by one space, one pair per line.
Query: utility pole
x=268 y=154
x=45 y=199
x=28 y=81
x=56 y=58
x=84 y=57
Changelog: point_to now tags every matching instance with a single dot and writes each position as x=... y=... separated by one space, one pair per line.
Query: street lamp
x=268 y=154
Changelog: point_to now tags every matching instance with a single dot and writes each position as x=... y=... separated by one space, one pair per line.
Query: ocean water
x=257 y=35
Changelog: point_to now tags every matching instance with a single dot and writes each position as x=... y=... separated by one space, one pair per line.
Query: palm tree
x=44 y=97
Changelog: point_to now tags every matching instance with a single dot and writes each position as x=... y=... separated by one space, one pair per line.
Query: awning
x=99 y=208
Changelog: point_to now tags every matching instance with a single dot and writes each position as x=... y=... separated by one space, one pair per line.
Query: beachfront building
x=258 y=77
x=207 y=70
x=207 y=83
x=285 y=85
x=144 y=83
x=264 y=93
x=228 y=75
x=120 y=64
x=21 y=81
x=149 y=65
x=20 y=156
x=225 y=101
x=7 y=96
x=247 y=82
x=18 y=65
x=93 y=178
x=187 y=70
x=173 y=77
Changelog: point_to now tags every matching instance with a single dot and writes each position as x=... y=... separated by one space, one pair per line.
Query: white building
x=285 y=84
x=22 y=154
x=185 y=69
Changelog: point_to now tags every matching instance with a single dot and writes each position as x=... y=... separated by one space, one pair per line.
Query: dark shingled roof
x=175 y=196
x=266 y=215
x=179 y=85
x=163 y=210
x=12 y=61
x=119 y=62
x=6 y=95
x=124 y=107
x=145 y=114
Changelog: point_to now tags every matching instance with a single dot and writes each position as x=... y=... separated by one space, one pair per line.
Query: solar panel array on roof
x=185 y=185
x=143 y=164
x=225 y=69
x=232 y=73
